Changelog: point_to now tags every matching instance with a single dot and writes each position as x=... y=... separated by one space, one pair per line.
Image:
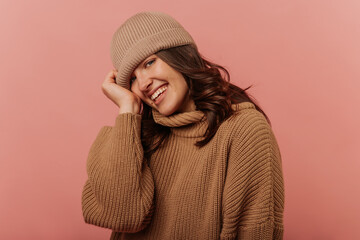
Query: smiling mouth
x=158 y=93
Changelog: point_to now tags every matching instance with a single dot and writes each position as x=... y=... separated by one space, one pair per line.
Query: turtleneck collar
x=186 y=124
x=190 y=124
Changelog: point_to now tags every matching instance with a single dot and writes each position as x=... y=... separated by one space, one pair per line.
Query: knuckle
x=103 y=87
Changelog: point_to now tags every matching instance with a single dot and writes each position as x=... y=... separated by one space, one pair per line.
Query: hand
x=126 y=100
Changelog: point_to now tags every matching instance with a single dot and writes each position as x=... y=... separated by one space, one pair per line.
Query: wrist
x=129 y=109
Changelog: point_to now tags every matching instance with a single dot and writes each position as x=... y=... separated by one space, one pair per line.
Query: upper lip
x=154 y=90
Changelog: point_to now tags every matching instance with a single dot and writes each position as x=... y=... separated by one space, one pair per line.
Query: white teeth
x=158 y=92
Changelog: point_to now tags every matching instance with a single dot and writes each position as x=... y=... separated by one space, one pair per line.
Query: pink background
x=303 y=58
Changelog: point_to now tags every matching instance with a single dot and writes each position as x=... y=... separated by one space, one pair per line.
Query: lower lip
x=159 y=99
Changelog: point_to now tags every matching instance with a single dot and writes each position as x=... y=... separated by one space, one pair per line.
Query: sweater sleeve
x=253 y=197
x=118 y=193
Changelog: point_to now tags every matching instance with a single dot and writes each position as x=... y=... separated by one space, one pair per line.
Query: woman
x=190 y=155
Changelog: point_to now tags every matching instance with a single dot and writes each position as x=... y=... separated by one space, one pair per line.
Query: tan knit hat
x=142 y=35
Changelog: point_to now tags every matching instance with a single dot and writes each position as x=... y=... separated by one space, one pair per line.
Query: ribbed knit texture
x=232 y=188
x=141 y=35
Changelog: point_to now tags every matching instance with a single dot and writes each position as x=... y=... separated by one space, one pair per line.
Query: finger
x=110 y=74
x=110 y=77
x=115 y=71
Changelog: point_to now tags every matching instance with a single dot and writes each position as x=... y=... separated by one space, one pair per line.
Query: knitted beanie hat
x=142 y=35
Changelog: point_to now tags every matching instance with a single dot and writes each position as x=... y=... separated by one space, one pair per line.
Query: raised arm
x=253 y=198
x=119 y=191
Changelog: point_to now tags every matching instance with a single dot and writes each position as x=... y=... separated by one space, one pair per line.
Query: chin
x=167 y=110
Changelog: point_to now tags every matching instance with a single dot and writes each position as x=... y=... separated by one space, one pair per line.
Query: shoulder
x=248 y=128
x=249 y=131
x=246 y=119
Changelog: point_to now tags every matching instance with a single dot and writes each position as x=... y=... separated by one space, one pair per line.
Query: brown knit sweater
x=232 y=188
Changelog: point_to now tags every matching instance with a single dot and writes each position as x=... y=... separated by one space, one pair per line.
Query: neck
x=188 y=106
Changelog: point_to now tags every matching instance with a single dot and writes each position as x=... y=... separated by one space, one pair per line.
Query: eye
x=146 y=64
x=132 y=79
x=149 y=62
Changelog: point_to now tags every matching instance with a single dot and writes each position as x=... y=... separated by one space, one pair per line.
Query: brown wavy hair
x=212 y=92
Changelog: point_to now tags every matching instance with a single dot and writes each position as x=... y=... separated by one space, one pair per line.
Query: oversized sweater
x=232 y=188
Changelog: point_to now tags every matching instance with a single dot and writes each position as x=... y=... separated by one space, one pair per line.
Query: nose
x=144 y=82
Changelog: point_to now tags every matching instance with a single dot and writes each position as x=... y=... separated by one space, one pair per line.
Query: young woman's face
x=161 y=87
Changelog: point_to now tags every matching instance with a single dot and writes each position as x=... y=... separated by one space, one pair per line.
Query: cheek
x=182 y=88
